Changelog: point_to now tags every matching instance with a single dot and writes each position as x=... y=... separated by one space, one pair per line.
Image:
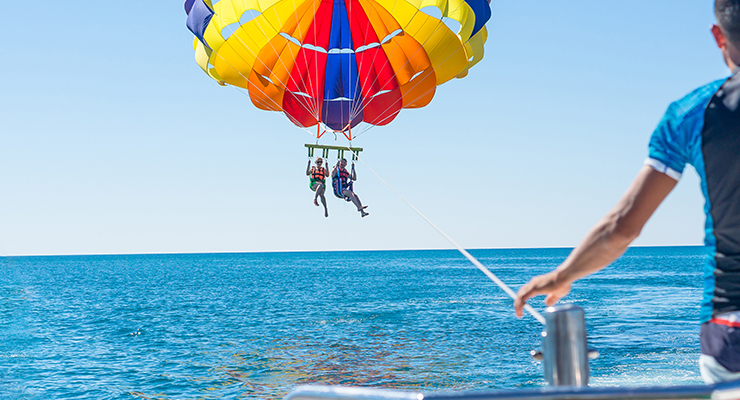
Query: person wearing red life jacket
x=317 y=183
x=342 y=184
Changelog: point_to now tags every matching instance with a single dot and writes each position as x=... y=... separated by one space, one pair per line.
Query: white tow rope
x=459 y=248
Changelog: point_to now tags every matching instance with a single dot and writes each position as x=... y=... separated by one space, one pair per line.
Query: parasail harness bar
x=340 y=150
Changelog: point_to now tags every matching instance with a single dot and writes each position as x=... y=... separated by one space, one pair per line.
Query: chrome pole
x=564 y=349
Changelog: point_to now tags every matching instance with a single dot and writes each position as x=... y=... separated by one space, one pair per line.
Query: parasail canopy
x=338 y=62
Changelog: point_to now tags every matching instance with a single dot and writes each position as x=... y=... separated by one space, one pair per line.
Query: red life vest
x=343 y=175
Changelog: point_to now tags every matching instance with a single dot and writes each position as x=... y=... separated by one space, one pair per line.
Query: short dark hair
x=728 y=18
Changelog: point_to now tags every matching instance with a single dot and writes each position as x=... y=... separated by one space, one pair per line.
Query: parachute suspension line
x=241 y=90
x=353 y=106
x=412 y=87
x=358 y=106
x=384 y=119
x=309 y=106
x=246 y=78
x=407 y=61
x=357 y=88
x=312 y=106
x=303 y=102
x=293 y=120
x=370 y=126
x=459 y=248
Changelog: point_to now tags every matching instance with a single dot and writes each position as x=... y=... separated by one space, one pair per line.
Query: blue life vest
x=340 y=182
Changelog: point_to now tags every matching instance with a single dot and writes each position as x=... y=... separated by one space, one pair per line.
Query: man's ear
x=719 y=36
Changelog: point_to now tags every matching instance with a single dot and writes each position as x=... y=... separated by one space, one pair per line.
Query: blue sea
x=255 y=325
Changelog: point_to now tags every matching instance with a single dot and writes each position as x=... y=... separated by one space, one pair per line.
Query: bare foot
x=315 y=202
x=326 y=213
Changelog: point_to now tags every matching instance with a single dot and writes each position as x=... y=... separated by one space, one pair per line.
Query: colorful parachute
x=338 y=62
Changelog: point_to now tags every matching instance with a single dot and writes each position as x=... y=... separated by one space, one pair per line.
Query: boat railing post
x=565 y=351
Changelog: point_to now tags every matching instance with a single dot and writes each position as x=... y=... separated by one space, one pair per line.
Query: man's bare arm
x=606 y=241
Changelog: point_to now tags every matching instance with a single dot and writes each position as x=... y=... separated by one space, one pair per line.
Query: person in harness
x=317 y=183
x=342 y=183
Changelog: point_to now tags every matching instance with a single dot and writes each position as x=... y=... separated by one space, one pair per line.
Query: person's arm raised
x=606 y=241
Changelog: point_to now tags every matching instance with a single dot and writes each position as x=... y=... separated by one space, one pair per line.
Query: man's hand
x=549 y=284
x=606 y=241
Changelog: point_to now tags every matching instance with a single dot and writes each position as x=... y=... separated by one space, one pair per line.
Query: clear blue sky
x=114 y=141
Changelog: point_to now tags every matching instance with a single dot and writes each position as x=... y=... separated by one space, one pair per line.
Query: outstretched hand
x=550 y=284
x=606 y=241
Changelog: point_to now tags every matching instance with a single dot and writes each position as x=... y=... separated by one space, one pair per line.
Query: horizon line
x=322 y=251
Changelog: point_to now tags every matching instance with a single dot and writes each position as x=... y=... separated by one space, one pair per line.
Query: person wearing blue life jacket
x=342 y=185
x=701 y=129
x=317 y=182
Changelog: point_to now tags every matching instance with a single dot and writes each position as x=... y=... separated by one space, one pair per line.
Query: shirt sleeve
x=667 y=151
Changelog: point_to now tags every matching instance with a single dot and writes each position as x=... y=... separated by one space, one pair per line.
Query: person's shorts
x=312 y=182
x=720 y=348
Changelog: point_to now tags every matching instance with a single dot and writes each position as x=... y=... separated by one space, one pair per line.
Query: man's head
x=343 y=163
x=727 y=31
x=319 y=161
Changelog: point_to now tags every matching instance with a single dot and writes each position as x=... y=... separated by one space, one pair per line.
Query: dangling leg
x=356 y=201
x=316 y=194
x=320 y=191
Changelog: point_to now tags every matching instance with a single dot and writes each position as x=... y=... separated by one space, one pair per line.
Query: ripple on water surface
x=257 y=325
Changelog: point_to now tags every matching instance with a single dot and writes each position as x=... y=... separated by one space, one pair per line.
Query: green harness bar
x=340 y=150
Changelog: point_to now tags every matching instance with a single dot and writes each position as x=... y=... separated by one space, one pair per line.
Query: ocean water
x=257 y=325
